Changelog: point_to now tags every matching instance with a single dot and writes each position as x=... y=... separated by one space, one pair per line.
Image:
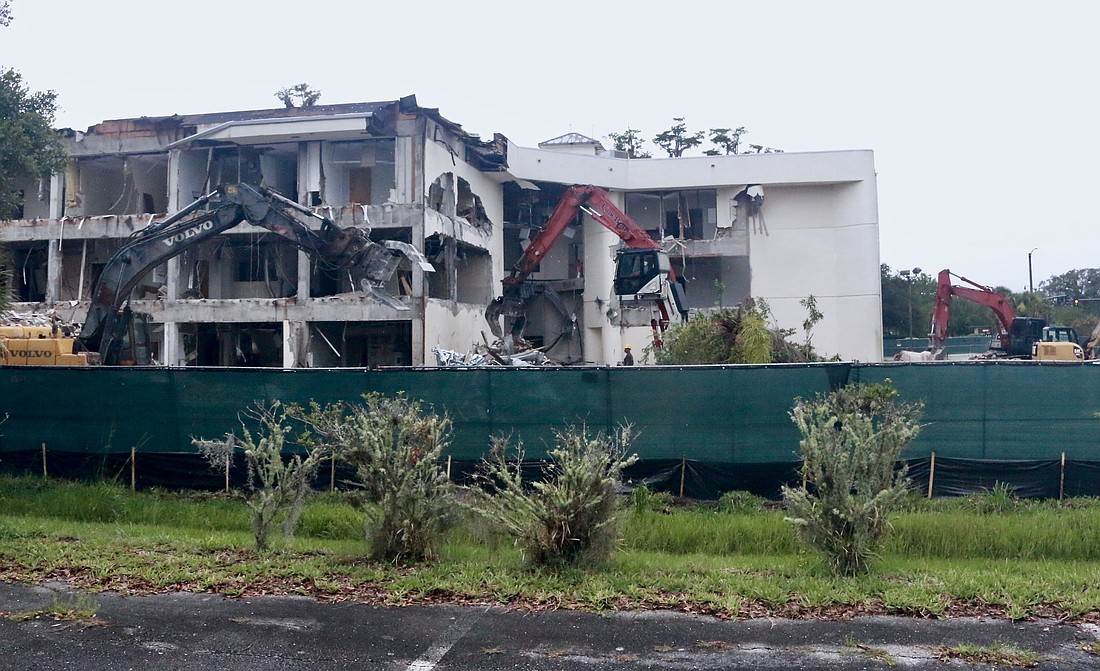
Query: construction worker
x=628 y=358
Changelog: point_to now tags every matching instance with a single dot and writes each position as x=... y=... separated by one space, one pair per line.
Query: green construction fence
x=702 y=429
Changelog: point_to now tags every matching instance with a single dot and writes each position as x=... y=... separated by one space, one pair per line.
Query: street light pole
x=1030 y=278
x=908 y=275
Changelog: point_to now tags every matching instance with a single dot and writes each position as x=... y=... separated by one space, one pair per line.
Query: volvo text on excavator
x=644 y=279
x=1018 y=337
x=108 y=326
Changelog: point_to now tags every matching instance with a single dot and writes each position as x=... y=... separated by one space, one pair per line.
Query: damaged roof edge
x=484 y=155
x=214 y=130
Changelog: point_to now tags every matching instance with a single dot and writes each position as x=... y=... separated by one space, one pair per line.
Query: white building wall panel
x=452 y=327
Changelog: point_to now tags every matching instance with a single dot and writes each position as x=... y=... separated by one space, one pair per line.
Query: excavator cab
x=1022 y=334
x=639 y=273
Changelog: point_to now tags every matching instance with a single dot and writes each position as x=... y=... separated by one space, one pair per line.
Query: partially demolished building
x=778 y=226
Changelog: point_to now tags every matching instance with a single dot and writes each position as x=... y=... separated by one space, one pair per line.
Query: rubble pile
x=49 y=319
x=493 y=355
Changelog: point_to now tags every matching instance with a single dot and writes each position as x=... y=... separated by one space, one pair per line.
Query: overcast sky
x=982 y=115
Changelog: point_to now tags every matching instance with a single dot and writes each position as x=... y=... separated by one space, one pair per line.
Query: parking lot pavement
x=202 y=631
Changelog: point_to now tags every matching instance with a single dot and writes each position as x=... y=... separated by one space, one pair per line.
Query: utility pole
x=1030 y=278
x=908 y=275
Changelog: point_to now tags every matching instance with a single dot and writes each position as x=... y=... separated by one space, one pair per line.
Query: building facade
x=778 y=226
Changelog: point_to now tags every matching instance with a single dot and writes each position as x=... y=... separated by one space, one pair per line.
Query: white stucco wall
x=821 y=211
x=439 y=160
x=823 y=240
x=459 y=326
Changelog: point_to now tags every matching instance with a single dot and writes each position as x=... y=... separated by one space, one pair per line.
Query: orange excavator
x=643 y=274
x=1018 y=337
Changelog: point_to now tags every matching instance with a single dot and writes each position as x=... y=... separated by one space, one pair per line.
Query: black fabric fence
x=942 y=476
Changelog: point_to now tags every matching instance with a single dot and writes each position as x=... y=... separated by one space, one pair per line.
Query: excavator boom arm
x=593 y=201
x=235 y=203
x=977 y=293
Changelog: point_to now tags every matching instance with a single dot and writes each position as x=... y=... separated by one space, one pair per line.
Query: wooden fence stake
x=133 y=469
x=45 y=474
x=227 y=458
x=683 y=474
x=931 y=474
x=1062 y=478
x=448 y=468
x=332 y=474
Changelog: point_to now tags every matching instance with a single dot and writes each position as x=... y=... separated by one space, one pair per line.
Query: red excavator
x=1018 y=337
x=643 y=275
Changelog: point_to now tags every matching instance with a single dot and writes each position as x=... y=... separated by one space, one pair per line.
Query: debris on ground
x=908 y=355
x=49 y=319
x=495 y=354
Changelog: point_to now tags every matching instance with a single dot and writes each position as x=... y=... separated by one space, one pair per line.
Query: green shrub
x=852 y=439
x=395 y=446
x=740 y=502
x=278 y=482
x=996 y=501
x=645 y=500
x=569 y=516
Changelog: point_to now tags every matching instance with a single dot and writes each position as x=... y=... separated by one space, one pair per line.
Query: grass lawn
x=944 y=557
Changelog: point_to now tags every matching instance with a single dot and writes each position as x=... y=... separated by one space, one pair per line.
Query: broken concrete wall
x=34 y=201
x=82 y=260
x=454 y=327
x=476 y=226
x=463 y=272
x=192 y=174
x=444 y=153
x=117 y=185
x=29 y=271
x=529 y=211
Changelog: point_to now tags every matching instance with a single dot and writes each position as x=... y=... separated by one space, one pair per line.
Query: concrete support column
x=172 y=348
x=309 y=172
x=304 y=276
x=296 y=344
x=53 y=270
x=171 y=353
x=602 y=341
x=53 y=256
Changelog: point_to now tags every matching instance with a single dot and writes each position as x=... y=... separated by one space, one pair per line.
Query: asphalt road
x=200 y=631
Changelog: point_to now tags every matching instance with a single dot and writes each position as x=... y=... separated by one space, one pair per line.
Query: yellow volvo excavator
x=38 y=346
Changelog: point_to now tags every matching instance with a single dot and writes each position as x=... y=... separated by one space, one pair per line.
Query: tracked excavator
x=645 y=282
x=1092 y=345
x=110 y=325
x=1018 y=337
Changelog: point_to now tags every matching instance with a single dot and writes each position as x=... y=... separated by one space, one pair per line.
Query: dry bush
x=571 y=514
x=278 y=480
x=395 y=446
